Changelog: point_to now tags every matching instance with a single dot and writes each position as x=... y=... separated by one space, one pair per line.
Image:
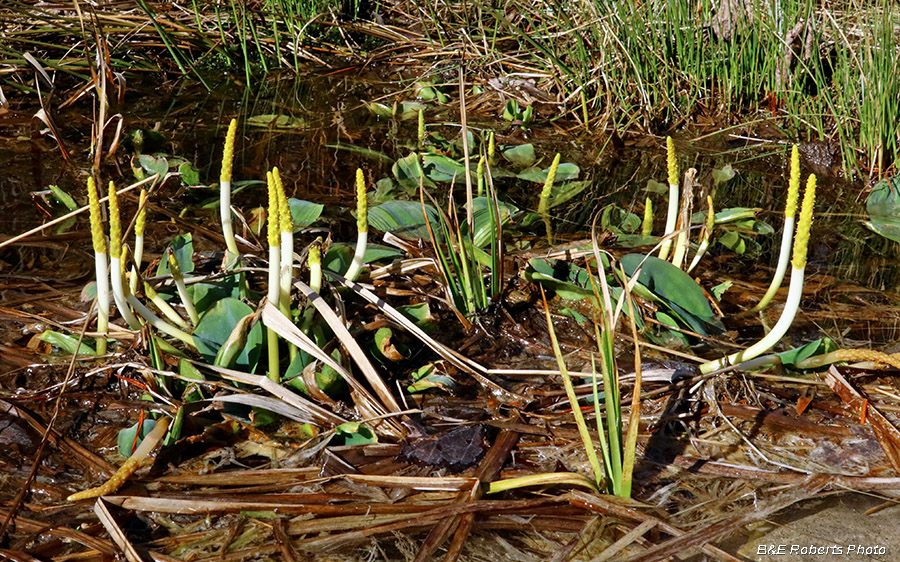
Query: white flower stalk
x=790 y=209
x=101 y=265
x=225 y=189
x=706 y=235
x=672 y=216
x=178 y=276
x=314 y=260
x=274 y=237
x=362 y=227
x=139 y=224
x=798 y=269
x=115 y=260
x=286 y=222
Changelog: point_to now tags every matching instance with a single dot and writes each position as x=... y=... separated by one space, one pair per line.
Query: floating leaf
x=153 y=164
x=564 y=172
x=654 y=186
x=883 y=206
x=217 y=324
x=190 y=175
x=442 y=168
x=404 y=218
x=304 y=213
x=522 y=155
x=562 y=193
x=381 y=110
x=723 y=174
x=272 y=121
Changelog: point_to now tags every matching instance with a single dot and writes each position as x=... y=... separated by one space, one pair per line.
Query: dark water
x=327 y=111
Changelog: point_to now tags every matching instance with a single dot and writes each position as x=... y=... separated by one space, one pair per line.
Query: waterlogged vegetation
x=534 y=292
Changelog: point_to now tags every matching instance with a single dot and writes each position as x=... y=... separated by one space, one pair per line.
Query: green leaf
x=183 y=248
x=511 y=112
x=484 y=222
x=64 y=198
x=153 y=165
x=410 y=110
x=420 y=314
x=190 y=175
x=733 y=241
x=819 y=347
x=327 y=379
x=404 y=218
x=427 y=377
x=67 y=343
x=443 y=168
x=719 y=290
x=304 y=213
x=380 y=110
x=408 y=170
x=564 y=172
x=572 y=313
x=567 y=280
x=217 y=324
x=426 y=91
x=272 y=121
x=883 y=206
x=654 y=186
x=562 y=193
x=723 y=174
x=618 y=220
x=675 y=288
x=385 y=346
x=339 y=256
x=352 y=433
x=522 y=155
x=126 y=439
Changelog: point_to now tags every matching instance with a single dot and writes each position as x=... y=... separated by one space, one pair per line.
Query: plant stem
x=362 y=227
x=101 y=266
x=225 y=189
x=790 y=210
x=798 y=268
x=274 y=293
x=672 y=216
